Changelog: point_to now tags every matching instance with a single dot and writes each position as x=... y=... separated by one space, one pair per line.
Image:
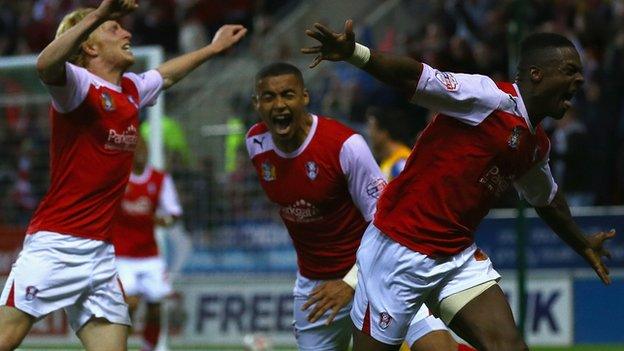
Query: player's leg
x=155 y=287
x=392 y=284
x=318 y=336
x=98 y=334
x=100 y=317
x=472 y=304
x=487 y=323
x=14 y=325
x=427 y=332
x=133 y=303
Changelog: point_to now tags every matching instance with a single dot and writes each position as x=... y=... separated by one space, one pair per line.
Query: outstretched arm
x=398 y=71
x=557 y=215
x=51 y=61
x=175 y=69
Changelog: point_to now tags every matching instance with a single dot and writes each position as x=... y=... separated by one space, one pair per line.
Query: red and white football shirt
x=94 y=133
x=479 y=144
x=326 y=191
x=146 y=195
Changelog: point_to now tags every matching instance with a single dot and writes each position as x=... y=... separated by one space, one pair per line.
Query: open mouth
x=567 y=99
x=282 y=123
x=127 y=48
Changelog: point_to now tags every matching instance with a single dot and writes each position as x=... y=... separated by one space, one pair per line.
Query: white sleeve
x=363 y=175
x=67 y=97
x=467 y=97
x=168 y=201
x=537 y=186
x=149 y=84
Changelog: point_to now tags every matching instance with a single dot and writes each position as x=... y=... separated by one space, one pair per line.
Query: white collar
x=305 y=143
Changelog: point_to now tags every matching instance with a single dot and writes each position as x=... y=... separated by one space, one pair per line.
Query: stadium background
x=238 y=265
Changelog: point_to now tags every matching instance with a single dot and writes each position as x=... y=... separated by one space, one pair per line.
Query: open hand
x=113 y=9
x=596 y=250
x=334 y=46
x=227 y=36
x=333 y=294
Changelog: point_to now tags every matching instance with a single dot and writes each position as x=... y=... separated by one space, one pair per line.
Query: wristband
x=361 y=55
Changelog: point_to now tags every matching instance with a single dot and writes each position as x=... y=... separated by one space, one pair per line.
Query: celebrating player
x=326 y=182
x=150 y=198
x=486 y=137
x=67 y=260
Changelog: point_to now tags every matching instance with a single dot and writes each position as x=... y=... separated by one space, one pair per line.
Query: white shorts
x=144 y=276
x=55 y=271
x=394 y=282
x=317 y=336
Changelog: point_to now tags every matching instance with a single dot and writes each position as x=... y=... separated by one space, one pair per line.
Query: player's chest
x=114 y=119
x=140 y=198
x=316 y=180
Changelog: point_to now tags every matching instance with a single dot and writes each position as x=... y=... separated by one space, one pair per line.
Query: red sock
x=151 y=332
x=462 y=347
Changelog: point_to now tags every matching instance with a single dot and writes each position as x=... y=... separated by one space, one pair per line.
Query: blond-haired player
x=67 y=260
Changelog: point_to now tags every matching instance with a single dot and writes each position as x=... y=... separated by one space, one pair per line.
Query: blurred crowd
x=470 y=36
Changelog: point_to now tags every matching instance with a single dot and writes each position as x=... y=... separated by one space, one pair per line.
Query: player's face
x=281 y=103
x=112 y=44
x=561 y=82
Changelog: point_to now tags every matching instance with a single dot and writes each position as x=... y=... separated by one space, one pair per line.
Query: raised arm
x=51 y=61
x=177 y=68
x=558 y=217
x=398 y=71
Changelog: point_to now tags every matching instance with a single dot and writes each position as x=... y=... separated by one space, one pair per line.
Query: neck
x=531 y=103
x=298 y=138
x=108 y=73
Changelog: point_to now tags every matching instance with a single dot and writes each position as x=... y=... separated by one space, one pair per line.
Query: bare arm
x=558 y=217
x=51 y=61
x=177 y=68
x=398 y=71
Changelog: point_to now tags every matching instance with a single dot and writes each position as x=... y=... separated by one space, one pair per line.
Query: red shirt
x=133 y=228
x=94 y=131
x=326 y=191
x=462 y=162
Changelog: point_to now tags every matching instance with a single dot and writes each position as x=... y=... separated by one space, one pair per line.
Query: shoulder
x=258 y=140
x=332 y=130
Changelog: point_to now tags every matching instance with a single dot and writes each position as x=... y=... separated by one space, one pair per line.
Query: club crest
x=514 y=138
x=311 y=169
x=31 y=293
x=384 y=320
x=448 y=80
x=107 y=102
x=268 y=171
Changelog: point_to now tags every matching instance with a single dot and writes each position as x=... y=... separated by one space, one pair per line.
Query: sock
x=151 y=332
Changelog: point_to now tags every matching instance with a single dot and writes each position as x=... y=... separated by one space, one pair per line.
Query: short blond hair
x=69 y=21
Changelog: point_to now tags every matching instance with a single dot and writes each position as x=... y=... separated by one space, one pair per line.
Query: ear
x=536 y=74
x=89 y=48
x=306 y=97
x=255 y=101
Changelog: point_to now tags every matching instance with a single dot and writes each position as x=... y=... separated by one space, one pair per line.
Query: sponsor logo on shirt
x=448 y=80
x=107 y=102
x=496 y=182
x=268 y=171
x=375 y=187
x=125 y=141
x=514 y=139
x=301 y=212
x=140 y=206
x=311 y=169
x=384 y=320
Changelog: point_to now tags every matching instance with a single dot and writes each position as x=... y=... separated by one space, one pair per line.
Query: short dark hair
x=395 y=121
x=279 y=69
x=534 y=48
